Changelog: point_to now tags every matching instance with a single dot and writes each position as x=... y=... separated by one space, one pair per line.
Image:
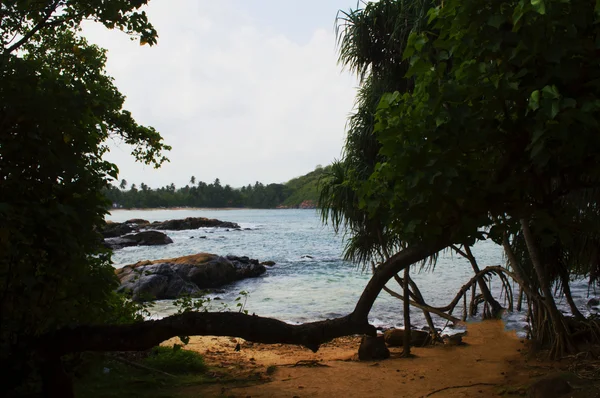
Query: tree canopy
x=57 y=110
x=490 y=132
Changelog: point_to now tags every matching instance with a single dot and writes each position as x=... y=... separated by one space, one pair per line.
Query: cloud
x=237 y=100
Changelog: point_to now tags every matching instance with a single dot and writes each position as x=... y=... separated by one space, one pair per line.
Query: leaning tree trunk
x=560 y=340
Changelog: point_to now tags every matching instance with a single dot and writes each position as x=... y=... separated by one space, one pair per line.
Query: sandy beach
x=491 y=363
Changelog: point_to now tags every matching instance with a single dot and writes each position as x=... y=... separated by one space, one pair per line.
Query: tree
x=482 y=143
x=192 y=180
x=57 y=109
x=123 y=184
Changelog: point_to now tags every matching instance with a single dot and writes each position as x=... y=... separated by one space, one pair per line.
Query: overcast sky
x=243 y=90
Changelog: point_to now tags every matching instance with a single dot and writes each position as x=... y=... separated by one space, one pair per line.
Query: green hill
x=305 y=188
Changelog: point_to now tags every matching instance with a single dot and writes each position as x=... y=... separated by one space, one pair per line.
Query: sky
x=243 y=90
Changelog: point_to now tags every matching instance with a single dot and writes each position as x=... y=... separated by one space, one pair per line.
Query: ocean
x=310 y=280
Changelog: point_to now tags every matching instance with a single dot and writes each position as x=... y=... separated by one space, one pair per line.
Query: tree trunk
x=564 y=278
x=392 y=266
x=496 y=308
x=561 y=341
x=406 y=351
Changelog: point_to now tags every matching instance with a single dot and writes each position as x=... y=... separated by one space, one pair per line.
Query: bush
x=175 y=360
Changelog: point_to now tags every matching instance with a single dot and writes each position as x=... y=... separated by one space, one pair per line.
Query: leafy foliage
x=57 y=109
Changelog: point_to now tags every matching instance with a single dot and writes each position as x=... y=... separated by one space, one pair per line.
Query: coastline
x=203 y=208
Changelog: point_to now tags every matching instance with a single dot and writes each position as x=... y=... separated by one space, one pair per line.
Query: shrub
x=175 y=360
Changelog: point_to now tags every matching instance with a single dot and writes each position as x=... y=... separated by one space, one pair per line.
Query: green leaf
x=550 y=92
x=534 y=100
x=539 y=6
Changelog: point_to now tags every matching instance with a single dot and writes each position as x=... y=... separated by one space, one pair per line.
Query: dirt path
x=483 y=366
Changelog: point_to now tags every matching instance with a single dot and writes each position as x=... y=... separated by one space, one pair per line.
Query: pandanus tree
x=372 y=41
x=496 y=137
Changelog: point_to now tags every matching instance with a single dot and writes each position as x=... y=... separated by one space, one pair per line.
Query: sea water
x=310 y=280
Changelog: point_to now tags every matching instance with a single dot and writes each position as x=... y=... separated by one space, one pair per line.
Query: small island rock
x=144 y=238
x=172 y=278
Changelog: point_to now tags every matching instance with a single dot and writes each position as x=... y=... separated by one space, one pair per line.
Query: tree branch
x=35 y=29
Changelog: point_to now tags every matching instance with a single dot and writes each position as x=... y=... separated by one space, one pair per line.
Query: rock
x=549 y=387
x=373 y=348
x=192 y=223
x=395 y=337
x=138 y=221
x=452 y=340
x=593 y=302
x=113 y=229
x=171 y=278
x=307 y=204
x=144 y=238
x=268 y=263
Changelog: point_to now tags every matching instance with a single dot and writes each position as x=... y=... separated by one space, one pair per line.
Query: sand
x=488 y=364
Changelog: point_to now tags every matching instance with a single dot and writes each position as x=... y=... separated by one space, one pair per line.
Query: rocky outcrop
x=119 y=235
x=307 y=204
x=172 y=278
x=138 y=221
x=115 y=229
x=192 y=223
x=144 y=238
x=395 y=337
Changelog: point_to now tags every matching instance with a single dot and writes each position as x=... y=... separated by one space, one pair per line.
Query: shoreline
x=205 y=208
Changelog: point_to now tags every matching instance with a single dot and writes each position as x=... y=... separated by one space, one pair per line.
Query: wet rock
x=549 y=387
x=268 y=263
x=192 y=223
x=144 y=238
x=395 y=337
x=171 y=278
x=593 y=302
x=373 y=348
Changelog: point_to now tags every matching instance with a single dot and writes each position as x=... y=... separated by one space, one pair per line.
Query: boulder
x=268 y=263
x=372 y=349
x=593 y=302
x=549 y=387
x=144 y=238
x=192 y=223
x=395 y=337
x=172 y=278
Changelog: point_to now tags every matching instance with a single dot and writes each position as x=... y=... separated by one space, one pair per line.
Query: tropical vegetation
x=200 y=194
x=476 y=121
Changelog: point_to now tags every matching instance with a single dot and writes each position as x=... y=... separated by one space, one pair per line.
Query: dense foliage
x=201 y=194
x=57 y=109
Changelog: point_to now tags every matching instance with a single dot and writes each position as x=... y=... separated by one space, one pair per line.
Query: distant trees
x=201 y=195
